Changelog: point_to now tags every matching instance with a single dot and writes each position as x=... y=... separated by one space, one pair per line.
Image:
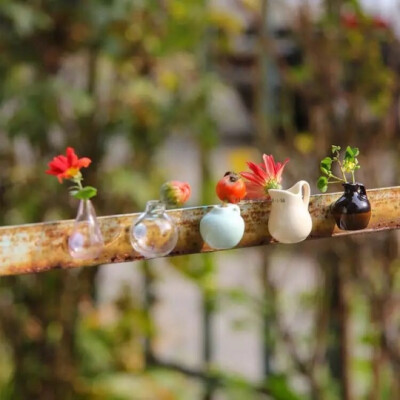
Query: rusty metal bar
x=43 y=246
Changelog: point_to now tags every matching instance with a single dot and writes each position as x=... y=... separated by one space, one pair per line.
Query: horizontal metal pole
x=43 y=246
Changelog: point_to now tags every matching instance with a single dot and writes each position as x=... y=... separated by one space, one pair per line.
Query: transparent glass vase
x=154 y=234
x=85 y=240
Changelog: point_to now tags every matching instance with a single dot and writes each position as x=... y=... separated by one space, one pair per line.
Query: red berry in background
x=380 y=23
x=231 y=188
x=350 y=21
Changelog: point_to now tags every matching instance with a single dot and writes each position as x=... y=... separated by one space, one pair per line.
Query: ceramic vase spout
x=289 y=220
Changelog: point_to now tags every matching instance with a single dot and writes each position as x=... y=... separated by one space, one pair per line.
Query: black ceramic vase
x=352 y=211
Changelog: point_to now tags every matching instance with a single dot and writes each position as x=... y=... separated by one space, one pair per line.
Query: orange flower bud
x=175 y=193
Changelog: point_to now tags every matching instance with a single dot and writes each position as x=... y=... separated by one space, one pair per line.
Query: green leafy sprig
x=348 y=165
x=81 y=192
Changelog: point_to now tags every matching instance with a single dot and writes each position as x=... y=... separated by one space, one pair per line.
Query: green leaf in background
x=24 y=18
x=279 y=388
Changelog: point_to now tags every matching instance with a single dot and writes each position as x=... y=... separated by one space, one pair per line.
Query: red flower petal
x=59 y=163
x=269 y=165
x=280 y=170
x=83 y=162
x=60 y=177
x=255 y=192
x=72 y=157
x=252 y=178
x=186 y=191
x=52 y=172
x=259 y=173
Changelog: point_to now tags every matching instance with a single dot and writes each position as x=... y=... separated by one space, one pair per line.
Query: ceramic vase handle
x=306 y=192
x=362 y=190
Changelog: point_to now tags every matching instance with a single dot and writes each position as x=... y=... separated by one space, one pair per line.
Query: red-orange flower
x=267 y=175
x=68 y=166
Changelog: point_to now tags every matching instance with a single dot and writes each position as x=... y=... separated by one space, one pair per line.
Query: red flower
x=67 y=167
x=263 y=177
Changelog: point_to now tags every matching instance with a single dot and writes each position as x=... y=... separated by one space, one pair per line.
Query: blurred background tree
x=120 y=81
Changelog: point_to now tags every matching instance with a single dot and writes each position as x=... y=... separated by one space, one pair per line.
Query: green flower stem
x=81 y=192
x=78 y=180
x=338 y=179
x=341 y=169
x=348 y=165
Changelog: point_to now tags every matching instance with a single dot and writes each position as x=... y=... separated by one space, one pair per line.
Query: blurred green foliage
x=80 y=73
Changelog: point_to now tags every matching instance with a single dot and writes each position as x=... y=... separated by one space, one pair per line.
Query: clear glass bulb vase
x=154 y=234
x=85 y=240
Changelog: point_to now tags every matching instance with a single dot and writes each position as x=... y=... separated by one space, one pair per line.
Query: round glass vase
x=154 y=234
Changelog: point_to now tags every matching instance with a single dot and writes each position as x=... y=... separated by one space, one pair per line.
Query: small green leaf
x=356 y=151
x=326 y=163
x=335 y=148
x=279 y=388
x=85 y=193
x=325 y=171
x=349 y=155
x=322 y=184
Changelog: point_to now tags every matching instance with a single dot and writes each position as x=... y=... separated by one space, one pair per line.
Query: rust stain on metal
x=41 y=247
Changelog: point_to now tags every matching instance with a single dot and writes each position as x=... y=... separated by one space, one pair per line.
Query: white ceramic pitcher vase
x=290 y=221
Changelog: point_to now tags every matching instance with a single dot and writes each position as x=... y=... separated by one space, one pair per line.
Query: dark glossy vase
x=352 y=211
